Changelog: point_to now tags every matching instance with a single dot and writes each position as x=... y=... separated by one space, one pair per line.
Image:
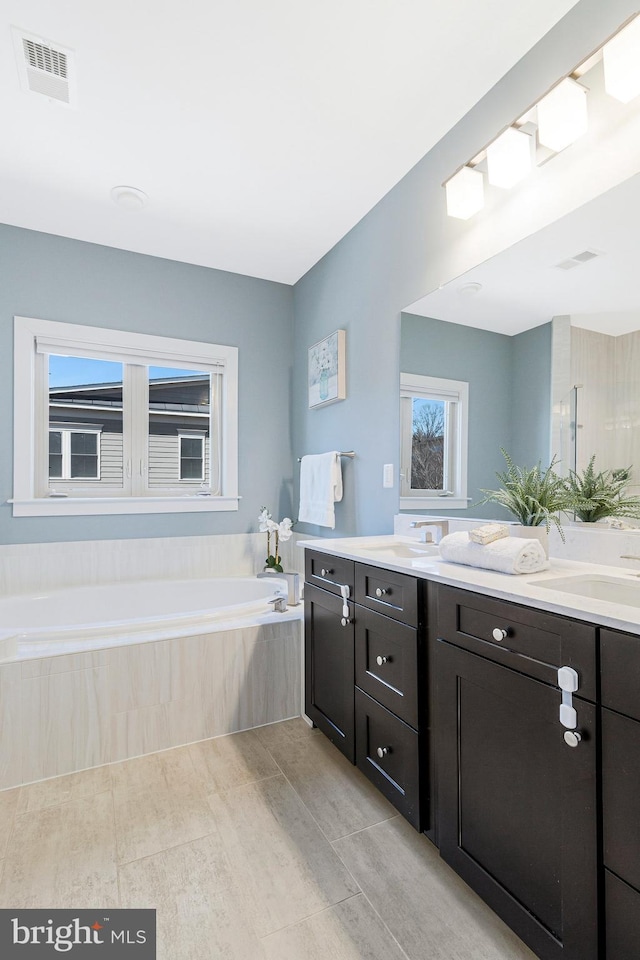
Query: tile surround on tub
x=59 y=715
x=25 y=567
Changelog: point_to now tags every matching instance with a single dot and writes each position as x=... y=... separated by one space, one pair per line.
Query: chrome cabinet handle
x=381 y=592
x=383 y=751
x=325 y=573
x=345 y=621
x=382 y=660
x=499 y=634
x=572 y=738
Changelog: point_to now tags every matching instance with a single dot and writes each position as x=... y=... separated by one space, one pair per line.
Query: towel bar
x=347 y=453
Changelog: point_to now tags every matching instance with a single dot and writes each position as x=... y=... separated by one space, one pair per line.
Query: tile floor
x=263 y=845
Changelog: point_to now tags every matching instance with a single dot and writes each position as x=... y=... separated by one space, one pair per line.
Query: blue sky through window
x=77 y=371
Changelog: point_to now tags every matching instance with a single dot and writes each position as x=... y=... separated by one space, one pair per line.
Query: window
x=115 y=422
x=191 y=457
x=74 y=452
x=433 y=455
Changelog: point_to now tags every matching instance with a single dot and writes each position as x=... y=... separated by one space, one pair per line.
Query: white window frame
x=456 y=393
x=191 y=435
x=35 y=338
x=66 y=429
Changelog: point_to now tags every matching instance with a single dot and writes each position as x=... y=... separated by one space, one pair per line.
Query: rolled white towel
x=507 y=555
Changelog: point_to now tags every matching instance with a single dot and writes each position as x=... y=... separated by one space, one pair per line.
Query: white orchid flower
x=263 y=520
x=284 y=529
x=272 y=526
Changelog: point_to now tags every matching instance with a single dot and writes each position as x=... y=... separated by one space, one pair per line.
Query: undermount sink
x=402 y=549
x=611 y=589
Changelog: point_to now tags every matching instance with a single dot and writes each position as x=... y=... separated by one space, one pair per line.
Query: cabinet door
x=623 y=919
x=517 y=805
x=329 y=668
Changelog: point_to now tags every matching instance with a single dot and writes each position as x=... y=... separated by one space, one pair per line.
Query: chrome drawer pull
x=345 y=621
x=381 y=592
x=383 y=751
x=499 y=634
x=325 y=573
x=382 y=660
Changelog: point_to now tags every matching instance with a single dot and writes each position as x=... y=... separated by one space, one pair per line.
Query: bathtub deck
x=262 y=845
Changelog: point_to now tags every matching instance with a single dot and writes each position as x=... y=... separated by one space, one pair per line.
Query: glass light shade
x=562 y=115
x=465 y=193
x=621 y=59
x=509 y=158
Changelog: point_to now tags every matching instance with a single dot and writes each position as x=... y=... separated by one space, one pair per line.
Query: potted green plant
x=598 y=495
x=536 y=497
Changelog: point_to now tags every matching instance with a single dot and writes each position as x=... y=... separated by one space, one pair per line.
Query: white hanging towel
x=320 y=488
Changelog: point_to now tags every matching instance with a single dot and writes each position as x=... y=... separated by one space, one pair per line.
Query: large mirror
x=547 y=334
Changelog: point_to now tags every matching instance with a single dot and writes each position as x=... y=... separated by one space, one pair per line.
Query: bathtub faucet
x=279 y=604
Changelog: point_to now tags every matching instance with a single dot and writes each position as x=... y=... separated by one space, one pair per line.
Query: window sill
x=105 y=506
x=442 y=504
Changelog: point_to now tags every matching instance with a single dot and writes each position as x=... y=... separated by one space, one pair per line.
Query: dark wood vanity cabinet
x=517 y=805
x=362 y=672
x=620 y=678
x=545 y=829
x=329 y=649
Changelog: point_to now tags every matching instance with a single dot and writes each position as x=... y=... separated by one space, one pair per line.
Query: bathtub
x=96 y=675
x=95 y=617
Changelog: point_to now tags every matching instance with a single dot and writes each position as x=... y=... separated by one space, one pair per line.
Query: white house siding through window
x=86 y=426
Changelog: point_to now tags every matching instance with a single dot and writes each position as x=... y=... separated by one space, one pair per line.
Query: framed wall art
x=327 y=365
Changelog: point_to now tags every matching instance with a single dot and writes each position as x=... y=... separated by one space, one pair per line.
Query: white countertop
x=521 y=588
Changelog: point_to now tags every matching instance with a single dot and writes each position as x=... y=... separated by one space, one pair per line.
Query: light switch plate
x=387 y=475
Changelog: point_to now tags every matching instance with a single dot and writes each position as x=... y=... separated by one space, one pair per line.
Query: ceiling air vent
x=577 y=259
x=45 y=68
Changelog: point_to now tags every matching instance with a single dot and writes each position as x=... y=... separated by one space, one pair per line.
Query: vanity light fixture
x=621 y=58
x=509 y=158
x=562 y=115
x=557 y=120
x=465 y=193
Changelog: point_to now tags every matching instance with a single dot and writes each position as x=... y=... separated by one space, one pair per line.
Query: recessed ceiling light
x=470 y=289
x=130 y=198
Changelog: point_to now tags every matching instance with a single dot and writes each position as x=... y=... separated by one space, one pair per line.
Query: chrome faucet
x=440 y=527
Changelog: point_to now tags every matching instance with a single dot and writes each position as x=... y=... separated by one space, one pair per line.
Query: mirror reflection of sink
x=611 y=589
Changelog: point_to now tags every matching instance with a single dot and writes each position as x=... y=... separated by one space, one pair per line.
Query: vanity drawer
x=393 y=594
x=531 y=641
x=396 y=772
x=328 y=572
x=619 y=671
x=387 y=663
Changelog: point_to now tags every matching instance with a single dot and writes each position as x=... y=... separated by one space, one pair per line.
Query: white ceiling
x=523 y=287
x=261 y=130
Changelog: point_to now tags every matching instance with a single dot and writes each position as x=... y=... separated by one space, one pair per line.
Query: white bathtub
x=95 y=617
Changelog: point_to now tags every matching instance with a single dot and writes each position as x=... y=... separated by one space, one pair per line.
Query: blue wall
x=531 y=396
x=54 y=278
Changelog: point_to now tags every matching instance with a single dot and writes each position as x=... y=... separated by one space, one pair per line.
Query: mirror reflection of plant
x=597 y=495
x=536 y=497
